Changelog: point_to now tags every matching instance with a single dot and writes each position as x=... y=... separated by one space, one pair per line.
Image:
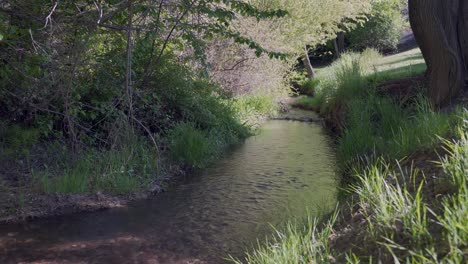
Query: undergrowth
x=128 y=168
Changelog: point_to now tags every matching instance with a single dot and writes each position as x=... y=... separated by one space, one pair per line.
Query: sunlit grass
x=297 y=243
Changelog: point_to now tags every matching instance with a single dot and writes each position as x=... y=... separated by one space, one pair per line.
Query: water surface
x=284 y=171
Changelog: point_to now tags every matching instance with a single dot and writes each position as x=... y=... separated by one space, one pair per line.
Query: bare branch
x=49 y=17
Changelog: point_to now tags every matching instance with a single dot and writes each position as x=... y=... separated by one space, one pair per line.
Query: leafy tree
x=80 y=67
x=313 y=22
x=383 y=28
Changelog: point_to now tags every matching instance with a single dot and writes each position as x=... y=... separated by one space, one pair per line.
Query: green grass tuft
x=190 y=145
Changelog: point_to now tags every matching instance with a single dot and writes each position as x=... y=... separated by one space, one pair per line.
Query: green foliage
x=307 y=103
x=126 y=169
x=378 y=126
x=17 y=140
x=16 y=137
x=383 y=28
x=252 y=108
x=374 y=125
x=386 y=202
x=313 y=22
x=306 y=86
x=190 y=145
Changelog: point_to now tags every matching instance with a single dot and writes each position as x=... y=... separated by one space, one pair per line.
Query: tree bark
x=128 y=67
x=440 y=29
x=339 y=43
x=308 y=65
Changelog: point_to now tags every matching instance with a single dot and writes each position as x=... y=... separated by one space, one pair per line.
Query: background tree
x=314 y=22
x=382 y=29
x=308 y=23
x=441 y=31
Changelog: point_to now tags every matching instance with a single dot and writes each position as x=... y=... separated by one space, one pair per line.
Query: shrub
x=383 y=29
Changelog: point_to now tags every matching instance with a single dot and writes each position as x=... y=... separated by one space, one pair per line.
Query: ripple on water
x=284 y=170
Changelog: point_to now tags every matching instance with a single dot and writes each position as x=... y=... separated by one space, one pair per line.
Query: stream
x=282 y=173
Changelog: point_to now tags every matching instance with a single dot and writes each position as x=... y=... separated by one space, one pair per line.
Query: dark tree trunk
x=308 y=65
x=441 y=31
x=339 y=43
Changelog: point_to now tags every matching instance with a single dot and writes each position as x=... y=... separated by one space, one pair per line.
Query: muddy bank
x=18 y=204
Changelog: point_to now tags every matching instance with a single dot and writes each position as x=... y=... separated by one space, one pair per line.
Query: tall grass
x=388 y=205
x=251 y=109
x=378 y=126
x=190 y=145
x=124 y=169
x=297 y=243
x=374 y=125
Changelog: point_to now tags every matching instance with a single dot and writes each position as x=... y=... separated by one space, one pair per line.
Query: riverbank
x=404 y=167
x=218 y=210
x=41 y=178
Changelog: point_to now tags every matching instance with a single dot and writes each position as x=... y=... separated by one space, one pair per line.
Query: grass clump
x=125 y=169
x=251 y=109
x=190 y=145
x=297 y=243
x=389 y=206
x=16 y=139
x=377 y=126
x=303 y=85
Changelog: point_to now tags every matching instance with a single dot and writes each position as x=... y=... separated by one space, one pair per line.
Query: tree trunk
x=308 y=65
x=128 y=67
x=339 y=43
x=440 y=29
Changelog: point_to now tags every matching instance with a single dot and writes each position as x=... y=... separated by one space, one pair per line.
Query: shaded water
x=285 y=170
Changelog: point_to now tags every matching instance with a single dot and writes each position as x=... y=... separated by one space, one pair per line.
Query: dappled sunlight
x=411 y=59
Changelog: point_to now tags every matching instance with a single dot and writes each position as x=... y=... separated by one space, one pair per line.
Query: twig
x=49 y=17
x=148 y=132
x=99 y=9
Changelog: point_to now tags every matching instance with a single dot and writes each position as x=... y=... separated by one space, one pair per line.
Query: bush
x=383 y=29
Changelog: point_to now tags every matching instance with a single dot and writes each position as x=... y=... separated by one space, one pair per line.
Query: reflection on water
x=284 y=171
